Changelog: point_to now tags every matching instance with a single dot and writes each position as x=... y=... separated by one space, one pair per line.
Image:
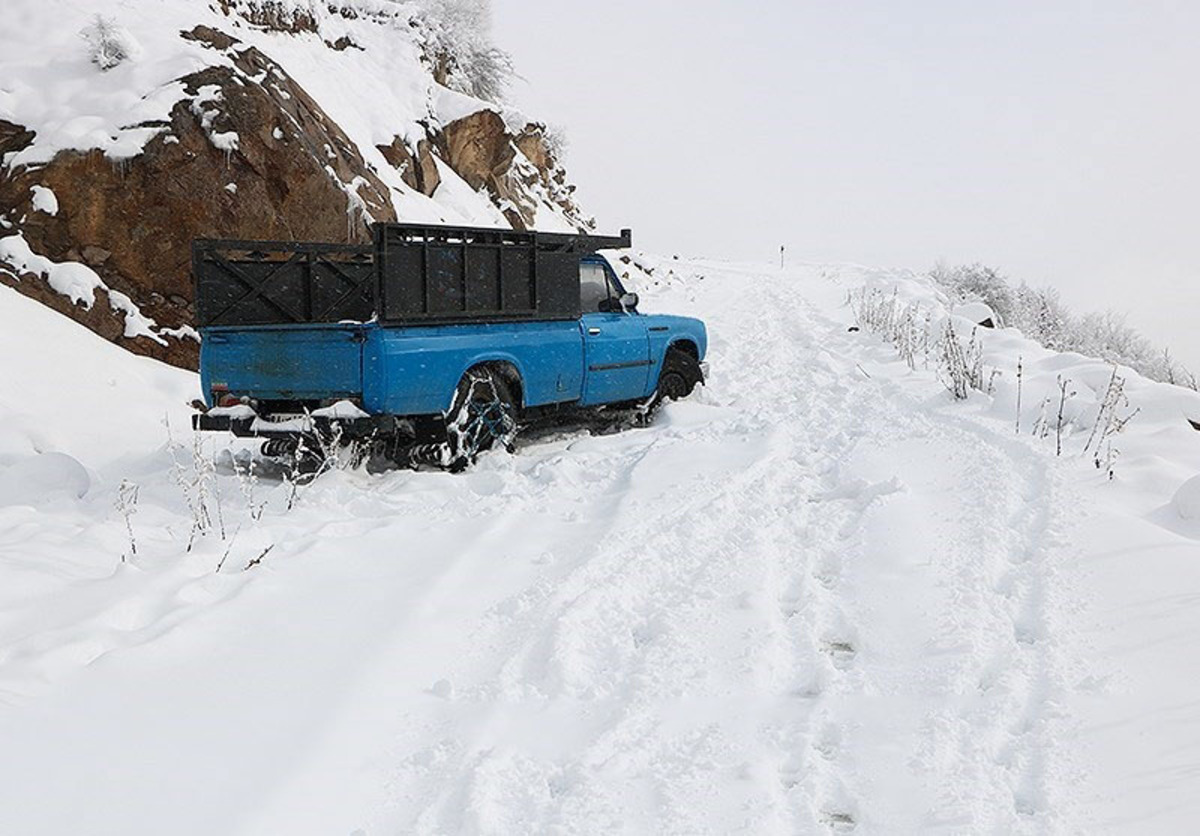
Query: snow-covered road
x=818 y=596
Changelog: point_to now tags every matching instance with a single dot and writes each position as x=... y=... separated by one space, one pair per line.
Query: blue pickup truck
x=433 y=343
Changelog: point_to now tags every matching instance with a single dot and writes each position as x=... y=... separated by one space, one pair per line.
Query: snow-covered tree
x=1039 y=313
x=458 y=43
x=108 y=44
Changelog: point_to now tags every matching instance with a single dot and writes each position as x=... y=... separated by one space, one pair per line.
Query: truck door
x=616 y=345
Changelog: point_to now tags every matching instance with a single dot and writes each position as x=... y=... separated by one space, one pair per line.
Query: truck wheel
x=483 y=414
x=679 y=375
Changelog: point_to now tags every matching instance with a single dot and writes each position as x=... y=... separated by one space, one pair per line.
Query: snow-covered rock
x=977 y=312
x=37 y=479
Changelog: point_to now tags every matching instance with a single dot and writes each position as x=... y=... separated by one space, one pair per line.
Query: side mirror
x=629 y=301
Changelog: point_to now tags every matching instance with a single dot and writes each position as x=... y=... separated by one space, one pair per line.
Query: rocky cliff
x=122 y=138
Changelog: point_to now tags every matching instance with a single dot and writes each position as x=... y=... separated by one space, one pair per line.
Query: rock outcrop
x=515 y=169
x=245 y=153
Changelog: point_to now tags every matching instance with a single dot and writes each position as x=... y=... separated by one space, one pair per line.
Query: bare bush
x=554 y=137
x=193 y=476
x=873 y=310
x=127 y=500
x=1039 y=313
x=247 y=482
x=1109 y=423
x=909 y=329
x=977 y=283
x=961 y=367
x=1063 y=395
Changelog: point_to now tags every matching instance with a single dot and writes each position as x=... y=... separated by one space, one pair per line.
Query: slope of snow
x=67 y=390
x=819 y=595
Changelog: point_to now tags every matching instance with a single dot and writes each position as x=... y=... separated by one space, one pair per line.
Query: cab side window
x=593 y=288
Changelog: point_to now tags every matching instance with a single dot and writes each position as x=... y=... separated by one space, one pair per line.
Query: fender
x=484 y=358
x=665 y=331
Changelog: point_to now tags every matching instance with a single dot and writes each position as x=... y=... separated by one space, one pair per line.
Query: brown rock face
x=419 y=172
x=478 y=147
x=532 y=144
x=133 y=222
x=512 y=168
x=13 y=137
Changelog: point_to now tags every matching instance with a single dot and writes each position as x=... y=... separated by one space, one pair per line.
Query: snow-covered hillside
x=821 y=595
x=127 y=130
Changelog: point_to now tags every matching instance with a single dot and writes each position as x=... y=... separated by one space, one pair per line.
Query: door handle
x=593 y=331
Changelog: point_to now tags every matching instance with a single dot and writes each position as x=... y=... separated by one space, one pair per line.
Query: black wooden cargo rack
x=410 y=274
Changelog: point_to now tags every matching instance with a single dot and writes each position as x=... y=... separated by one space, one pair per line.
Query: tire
x=482 y=416
x=679 y=375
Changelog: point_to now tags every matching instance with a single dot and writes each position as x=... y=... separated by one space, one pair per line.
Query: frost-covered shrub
x=108 y=43
x=554 y=137
x=1038 y=312
x=1108 y=337
x=458 y=44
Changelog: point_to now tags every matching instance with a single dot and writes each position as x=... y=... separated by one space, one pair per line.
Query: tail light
x=229 y=399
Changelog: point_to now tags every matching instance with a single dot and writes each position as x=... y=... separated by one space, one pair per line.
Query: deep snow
x=819 y=595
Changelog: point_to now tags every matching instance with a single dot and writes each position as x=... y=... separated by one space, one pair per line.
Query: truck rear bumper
x=371 y=426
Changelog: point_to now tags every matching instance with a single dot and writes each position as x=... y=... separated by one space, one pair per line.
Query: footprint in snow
x=840 y=652
x=839 y=822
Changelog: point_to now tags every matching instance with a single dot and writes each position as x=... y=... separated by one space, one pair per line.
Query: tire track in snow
x=637 y=628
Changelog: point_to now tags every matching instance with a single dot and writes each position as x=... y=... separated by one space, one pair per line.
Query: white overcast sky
x=1056 y=141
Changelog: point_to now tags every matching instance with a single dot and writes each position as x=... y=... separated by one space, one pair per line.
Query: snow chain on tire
x=481 y=416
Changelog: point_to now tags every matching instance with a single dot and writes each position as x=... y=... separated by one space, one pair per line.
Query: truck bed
x=393 y=370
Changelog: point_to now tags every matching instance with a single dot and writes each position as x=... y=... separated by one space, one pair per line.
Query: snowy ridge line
x=1041 y=315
